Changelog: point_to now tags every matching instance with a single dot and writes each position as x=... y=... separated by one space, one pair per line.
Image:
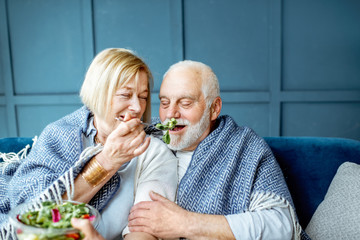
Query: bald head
x=204 y=76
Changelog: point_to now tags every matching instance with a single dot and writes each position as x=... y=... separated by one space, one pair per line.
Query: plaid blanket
x=227 y=168
x=49 y=169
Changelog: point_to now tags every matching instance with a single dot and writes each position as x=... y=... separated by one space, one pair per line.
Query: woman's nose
x=135 y=105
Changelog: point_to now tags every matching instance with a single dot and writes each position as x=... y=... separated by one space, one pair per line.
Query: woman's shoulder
x=65 y=129
x=157 y=157
x=157 y=148
x=157 y=145
x=78 y=118
x=74 y=120
x=157 y=142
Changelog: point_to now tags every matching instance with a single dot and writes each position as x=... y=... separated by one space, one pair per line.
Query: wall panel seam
x=274 y=32
x=8 y=73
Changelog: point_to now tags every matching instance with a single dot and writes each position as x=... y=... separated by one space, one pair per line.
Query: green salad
x=54 y=216
x=166 y=127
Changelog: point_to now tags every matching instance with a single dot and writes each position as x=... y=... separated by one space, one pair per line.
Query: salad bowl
x=50 y=221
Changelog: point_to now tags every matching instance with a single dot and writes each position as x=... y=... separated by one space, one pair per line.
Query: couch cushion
x=14 y=145
x=309 y=164
x=338 y=216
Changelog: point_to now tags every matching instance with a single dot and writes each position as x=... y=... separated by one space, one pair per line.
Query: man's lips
x=178 y=128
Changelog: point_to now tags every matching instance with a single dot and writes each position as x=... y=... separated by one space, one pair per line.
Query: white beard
x=191 y=135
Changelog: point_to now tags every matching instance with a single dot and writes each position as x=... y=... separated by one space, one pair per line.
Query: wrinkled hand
x=124 y=143
x=85 y=226
x=160 y=217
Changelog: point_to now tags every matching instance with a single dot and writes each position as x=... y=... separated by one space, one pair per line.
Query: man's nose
x=173 y=112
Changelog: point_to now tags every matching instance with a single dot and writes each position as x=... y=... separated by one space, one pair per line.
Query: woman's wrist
x=94 y=173
x=110 y=166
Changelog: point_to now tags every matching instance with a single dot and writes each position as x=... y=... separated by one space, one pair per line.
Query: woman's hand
x=123 y=144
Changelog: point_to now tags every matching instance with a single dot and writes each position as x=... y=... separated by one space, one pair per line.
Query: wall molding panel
x=285 y=68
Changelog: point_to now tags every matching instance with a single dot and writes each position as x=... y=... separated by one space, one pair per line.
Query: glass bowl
x=29 y=232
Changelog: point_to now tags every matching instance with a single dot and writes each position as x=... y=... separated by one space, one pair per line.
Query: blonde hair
x=109 y=70
x=209 y=82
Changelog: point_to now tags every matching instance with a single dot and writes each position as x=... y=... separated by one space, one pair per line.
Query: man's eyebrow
x=179 y=98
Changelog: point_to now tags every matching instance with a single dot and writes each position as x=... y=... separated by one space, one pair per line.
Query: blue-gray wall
x=286 y=68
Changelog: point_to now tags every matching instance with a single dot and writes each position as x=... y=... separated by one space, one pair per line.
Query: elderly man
x=230 y=185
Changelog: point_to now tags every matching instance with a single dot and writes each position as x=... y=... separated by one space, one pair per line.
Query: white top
x=154 y=170
x=273 y=223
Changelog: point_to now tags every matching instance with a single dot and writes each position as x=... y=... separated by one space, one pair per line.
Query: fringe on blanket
x=11 y=157
x=53 y=192
x=262 y=200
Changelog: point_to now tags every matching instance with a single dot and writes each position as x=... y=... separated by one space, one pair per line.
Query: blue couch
x=308 y=163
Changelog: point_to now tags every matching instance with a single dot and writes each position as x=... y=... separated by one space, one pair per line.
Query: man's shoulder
x=230 y=131
x=227 y=123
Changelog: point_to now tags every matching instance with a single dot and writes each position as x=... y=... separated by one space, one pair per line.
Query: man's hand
x=164 y=219
x=85 y=226
x=160 y=217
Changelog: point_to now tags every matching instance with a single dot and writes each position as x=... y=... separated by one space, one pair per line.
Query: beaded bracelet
x=94 y=173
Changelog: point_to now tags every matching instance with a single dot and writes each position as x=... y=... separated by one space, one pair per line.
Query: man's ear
x=215 y=108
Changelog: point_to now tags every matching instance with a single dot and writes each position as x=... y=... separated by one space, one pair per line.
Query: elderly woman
x=99 y=154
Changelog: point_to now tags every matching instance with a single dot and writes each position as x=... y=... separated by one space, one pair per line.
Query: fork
x=143 y=123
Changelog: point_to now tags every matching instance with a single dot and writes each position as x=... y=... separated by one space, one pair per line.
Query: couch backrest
x=309 y=165
x=14 y=144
